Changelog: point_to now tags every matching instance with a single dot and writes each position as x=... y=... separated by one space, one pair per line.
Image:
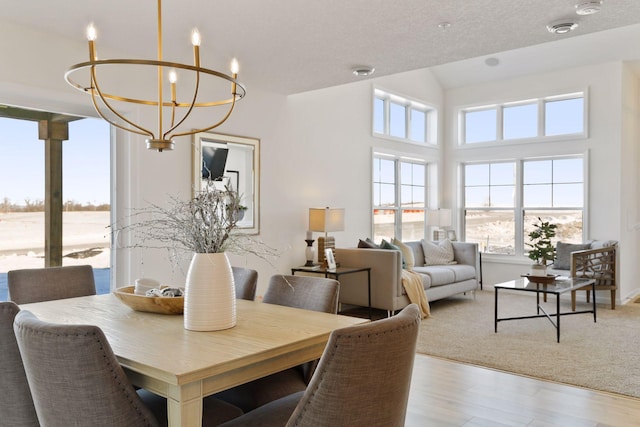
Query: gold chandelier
x=106 y=101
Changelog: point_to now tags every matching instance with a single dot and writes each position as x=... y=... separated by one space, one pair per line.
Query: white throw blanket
x=412 y=283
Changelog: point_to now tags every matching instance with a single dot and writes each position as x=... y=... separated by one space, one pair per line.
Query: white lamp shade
x=326 y=219
x=439 y=217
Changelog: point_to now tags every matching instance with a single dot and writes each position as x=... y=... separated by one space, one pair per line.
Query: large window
x=503 y=199
x=533 y=119
x=399 y=191
x=404 y=119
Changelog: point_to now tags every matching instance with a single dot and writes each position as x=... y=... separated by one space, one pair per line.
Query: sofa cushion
x=563 y=254
x=446 y=274
x=440 y=253
x=439 y=275
x=408 y=261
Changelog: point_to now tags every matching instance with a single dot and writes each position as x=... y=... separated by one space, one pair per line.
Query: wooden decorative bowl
x=162 y=305
x=545 y=280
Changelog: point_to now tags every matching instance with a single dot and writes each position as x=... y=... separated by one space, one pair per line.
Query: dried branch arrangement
x=203 y=224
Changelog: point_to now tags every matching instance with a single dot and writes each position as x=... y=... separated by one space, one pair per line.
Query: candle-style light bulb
x=91 y=36
x=195 y=41
x=234 y=72
x=195 y=37
x=91 y=33
x=173 y=76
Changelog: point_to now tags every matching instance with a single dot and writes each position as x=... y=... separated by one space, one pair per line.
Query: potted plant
x=542 y=251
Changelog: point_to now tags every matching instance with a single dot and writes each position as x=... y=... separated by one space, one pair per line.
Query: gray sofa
x=387 y=292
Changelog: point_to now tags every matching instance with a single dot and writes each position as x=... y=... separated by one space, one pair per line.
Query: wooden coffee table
x=560 y=286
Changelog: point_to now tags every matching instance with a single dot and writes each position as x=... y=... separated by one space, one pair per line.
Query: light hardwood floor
x=445 y=393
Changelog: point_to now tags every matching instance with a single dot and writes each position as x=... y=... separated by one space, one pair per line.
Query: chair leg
x=613 y=299
x=573 y=300
x=588 y=296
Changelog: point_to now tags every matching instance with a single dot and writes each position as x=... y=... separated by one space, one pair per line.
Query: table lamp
x=439 y=218
x=325 y=220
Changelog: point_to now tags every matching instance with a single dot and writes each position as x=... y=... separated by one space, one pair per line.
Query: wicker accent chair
x=16 y=405
x=51 y=283
x=599 y=264
x=75 y=379
x=305 y=292
x=363 y=379
x=246 y=281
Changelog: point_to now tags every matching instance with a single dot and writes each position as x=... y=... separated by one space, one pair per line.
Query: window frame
x=519 y=209
x=397 y=207
x=540 y=137
x=410 y=104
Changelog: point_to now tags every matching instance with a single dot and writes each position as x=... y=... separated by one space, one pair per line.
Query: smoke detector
x=589 y=7
x=562 y=26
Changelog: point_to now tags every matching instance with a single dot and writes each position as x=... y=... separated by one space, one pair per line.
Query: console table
x=335 y=273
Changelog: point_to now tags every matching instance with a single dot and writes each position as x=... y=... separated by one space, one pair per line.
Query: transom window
x=399 y=193
x=401 y=118
x=541 y=118
x=502 y=200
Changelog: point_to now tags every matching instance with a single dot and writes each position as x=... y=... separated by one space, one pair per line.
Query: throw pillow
x=367 y=244
x=563 y=254
x=437 y=253
x=408 y=260
x=387 y=245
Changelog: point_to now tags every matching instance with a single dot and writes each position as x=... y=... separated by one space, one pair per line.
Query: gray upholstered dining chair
x=363 y=379
x=306 y=292
x=75 y=379
x=50 y=283
x=246 y=281
x=16 y=404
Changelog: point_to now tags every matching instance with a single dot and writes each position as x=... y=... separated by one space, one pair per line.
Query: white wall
x=606 y=146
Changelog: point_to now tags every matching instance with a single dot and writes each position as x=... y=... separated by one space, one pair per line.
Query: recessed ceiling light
x=492 y=62
x=562 y=26
x=444 y=26
x=589 y=7
x=363 y=71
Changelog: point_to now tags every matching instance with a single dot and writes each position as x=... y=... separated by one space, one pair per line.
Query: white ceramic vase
x=210 y=297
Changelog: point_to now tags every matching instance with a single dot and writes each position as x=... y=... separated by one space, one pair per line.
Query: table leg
x=184 y=405
x=593 y=286
x=369 y=292
x=558 y=317
x=495 y=316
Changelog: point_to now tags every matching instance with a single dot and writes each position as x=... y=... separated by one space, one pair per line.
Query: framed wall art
x=230 y=161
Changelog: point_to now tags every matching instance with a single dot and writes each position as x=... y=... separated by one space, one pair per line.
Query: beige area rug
x=603 y=356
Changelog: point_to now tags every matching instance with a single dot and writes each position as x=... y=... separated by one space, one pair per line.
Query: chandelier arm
x=96 y=88
x=112 y=122
x=193 y=103
x=191 y=132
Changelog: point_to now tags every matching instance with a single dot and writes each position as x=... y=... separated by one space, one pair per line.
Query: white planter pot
x=538 y=270
x=210 y=297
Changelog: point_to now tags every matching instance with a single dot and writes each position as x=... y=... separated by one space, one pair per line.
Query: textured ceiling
x=291 y=46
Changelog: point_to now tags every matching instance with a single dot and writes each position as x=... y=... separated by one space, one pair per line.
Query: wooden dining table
x=184 y=366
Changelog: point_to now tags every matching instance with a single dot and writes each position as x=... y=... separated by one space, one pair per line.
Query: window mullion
x=519 y=210
x=398 y=203
x=541 y=118
x=500 y=123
